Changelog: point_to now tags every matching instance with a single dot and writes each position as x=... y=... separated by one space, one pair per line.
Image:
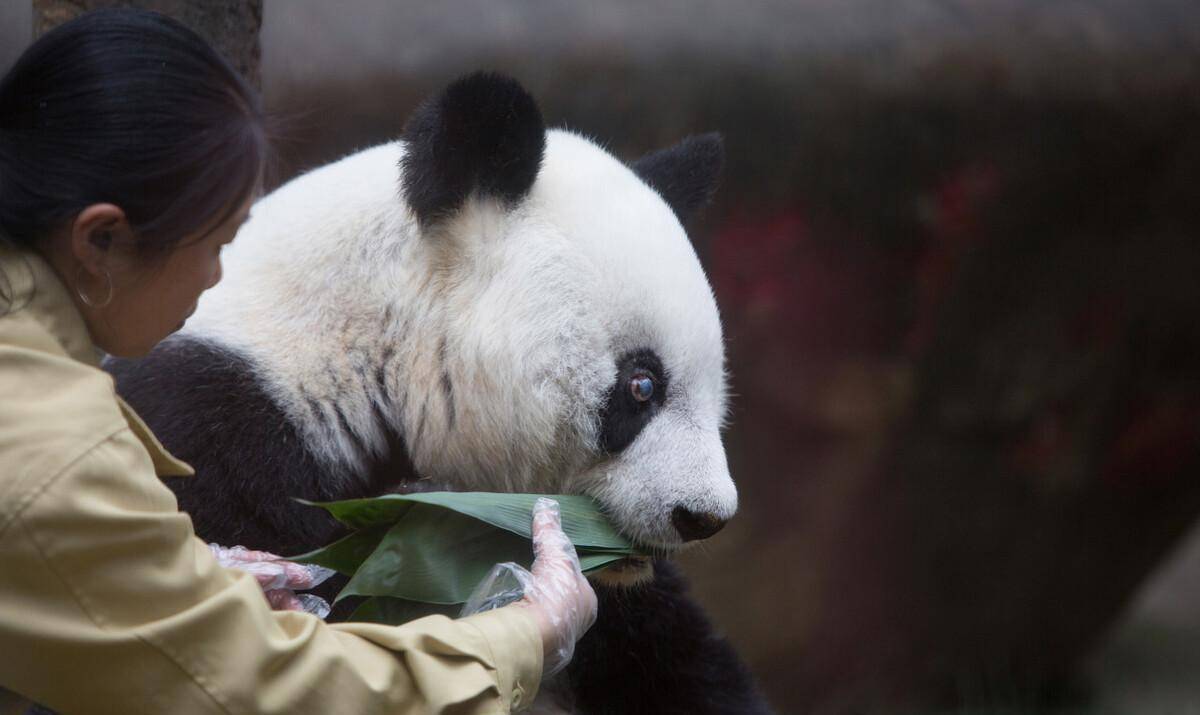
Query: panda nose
x=693 y=526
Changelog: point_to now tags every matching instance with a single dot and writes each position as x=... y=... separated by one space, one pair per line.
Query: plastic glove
x=556 y=592
x=278 y=578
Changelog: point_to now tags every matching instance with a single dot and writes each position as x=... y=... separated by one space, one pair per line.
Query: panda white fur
x=483 y=305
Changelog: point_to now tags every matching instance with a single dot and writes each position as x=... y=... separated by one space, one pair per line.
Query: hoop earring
x=87 y=299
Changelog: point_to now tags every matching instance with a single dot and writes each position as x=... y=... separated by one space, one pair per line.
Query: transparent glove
x=556 y=592
x=279 y=578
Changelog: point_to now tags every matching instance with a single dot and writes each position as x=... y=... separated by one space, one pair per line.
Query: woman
x=129 y=155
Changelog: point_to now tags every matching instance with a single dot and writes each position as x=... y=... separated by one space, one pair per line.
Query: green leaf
x=434 y=548
x=361 y=513
x=347 y=554
x=439 y=556
x=435 y=555
x=595 y=560
x=582 y=520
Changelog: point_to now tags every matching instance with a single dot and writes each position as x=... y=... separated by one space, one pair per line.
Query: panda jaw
x=626 y=573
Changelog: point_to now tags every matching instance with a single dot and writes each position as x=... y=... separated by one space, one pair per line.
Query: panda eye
x=635 y=396
x=642 y=388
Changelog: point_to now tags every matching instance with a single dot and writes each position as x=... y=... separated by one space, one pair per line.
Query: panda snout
x=693 y=526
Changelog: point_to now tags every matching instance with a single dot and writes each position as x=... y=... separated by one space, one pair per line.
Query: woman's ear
x=94 y=233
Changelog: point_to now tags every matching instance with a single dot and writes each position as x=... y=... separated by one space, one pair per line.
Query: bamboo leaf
x=590 y=561
x=346 y=554
x=434 y=555
x=435 y=548
x=583 y=521
x=439 y=556
x=361 y=513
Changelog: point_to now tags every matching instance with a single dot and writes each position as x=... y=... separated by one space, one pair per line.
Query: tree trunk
x=231 y=26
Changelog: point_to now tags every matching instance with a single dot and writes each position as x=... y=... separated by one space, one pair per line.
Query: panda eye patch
x=634 y=398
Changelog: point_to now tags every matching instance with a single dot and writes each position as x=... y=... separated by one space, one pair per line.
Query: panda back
x=208 y=406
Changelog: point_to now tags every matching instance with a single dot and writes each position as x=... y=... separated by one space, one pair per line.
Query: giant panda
x=484 y=304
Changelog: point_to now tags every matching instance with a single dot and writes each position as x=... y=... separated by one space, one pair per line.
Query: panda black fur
x=468 y=309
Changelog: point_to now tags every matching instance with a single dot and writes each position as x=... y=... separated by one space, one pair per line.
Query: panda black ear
x=483 y=135
x=685 y=175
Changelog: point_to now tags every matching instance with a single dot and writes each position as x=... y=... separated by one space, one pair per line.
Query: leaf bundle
x=416 y=554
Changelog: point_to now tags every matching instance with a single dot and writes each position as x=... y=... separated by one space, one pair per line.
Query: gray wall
x=16 y=29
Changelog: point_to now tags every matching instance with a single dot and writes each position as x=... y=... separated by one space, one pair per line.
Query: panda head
x=575 y=303
x=513 y=309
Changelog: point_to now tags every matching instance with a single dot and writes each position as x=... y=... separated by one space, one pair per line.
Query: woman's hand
x=278 y=578
x=555 y=593
x=558 y=595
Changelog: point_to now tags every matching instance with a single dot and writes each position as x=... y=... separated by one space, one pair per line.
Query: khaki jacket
x=109 y=603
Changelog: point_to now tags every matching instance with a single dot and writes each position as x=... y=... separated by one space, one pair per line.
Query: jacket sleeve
x=111 y=604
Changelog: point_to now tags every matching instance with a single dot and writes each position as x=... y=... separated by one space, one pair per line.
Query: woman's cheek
x=214 y=272
x=216 y=277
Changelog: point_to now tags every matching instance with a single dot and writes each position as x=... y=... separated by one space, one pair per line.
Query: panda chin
x=626 y=573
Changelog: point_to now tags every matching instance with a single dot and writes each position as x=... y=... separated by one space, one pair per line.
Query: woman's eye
x=642 y=388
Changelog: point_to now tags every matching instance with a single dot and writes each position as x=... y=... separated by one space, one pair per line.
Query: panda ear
x=685 y=175
x=482 y=136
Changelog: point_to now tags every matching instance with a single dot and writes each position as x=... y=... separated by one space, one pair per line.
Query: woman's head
x=129 y=151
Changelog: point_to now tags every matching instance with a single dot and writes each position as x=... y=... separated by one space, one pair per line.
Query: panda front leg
x=652 y=650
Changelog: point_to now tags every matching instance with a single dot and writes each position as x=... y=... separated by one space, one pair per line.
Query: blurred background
x=956 y=253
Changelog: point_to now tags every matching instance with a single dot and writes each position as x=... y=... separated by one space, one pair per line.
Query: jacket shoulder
x=54 y=410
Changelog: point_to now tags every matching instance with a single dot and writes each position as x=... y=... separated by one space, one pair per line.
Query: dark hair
x=127 y=107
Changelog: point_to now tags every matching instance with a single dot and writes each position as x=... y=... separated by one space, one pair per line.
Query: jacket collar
x=37 y=290
x=28 y=283
x=165 y=464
